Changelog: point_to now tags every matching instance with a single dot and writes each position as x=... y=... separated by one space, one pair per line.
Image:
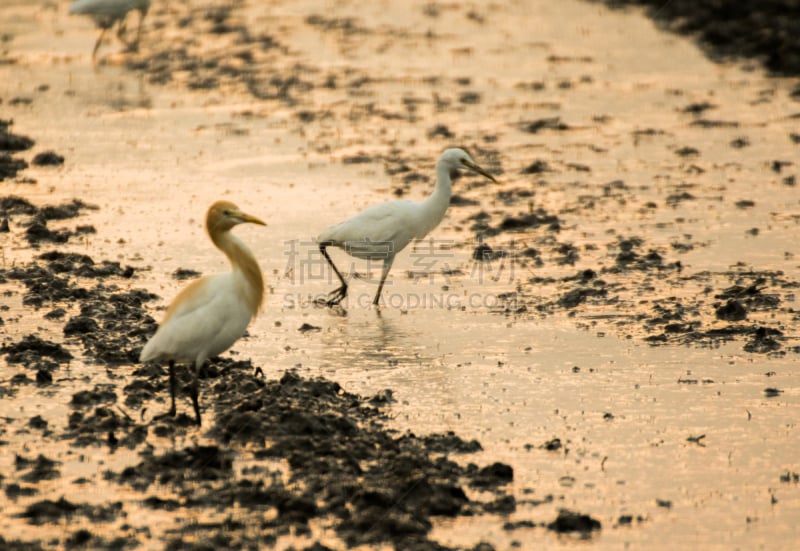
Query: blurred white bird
x=107 y=12
x=382 y=231
x=213 y=312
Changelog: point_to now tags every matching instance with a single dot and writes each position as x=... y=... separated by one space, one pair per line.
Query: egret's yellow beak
x=479 y=170
x=244 y=217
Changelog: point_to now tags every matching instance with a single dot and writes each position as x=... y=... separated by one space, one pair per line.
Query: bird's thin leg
x=121 y=29
x=135 y=47
x=387 y=265
x=194 y=391
x=97 y=44
x=122 y=32
x=172 y=385
x=337 y=295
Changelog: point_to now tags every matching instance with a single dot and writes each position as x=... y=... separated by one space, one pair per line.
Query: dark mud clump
x=33 y=346
x=9 y=143
x=184 y=273
x=344 y=465
x=34 y=352
x=764 y=340
x=112 y=331
x=12 y=204
x=12 y=142
x=41 y=468
x=231 y=53
x=645 y=287
x=569 y=521
x=536 y=126
x=381 y=487
x=105 y=316
x=733 y=310
x=529 y=221
x=104 y=426
x=21 y=212
x=9 y=166
x=764 y=31
x=48 y=158
x=575 y=297
x=630 y=257
x=741 y=301
x=48 y=511
x=111 y=323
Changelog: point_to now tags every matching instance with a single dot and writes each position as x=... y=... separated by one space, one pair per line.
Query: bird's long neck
x=434 y=207
x=243 y=262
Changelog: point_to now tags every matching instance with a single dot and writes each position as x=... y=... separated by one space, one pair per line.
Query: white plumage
x=205 y=326
x=212 y=312
x=382 y=231
x=107 y=12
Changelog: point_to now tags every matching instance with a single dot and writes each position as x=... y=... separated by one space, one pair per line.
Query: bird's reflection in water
x=373 y=340
x=125 y=96
x=110 y=86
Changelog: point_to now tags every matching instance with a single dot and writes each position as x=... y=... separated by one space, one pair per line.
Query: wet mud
x=301 y=457
x=10 y=144
x=758 y=31
x=625 y=267
x=346 y=468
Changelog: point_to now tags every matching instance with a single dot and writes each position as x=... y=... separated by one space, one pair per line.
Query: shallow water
x=153 y=157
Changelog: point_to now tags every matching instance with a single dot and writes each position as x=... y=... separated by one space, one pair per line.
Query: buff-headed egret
x=212 y=312
x=107 y=12
x=382 y=231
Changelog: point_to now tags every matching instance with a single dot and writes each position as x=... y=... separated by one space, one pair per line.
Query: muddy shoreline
x=760 y=31
x=291 y=456
x=343 y=466
x=632 y=266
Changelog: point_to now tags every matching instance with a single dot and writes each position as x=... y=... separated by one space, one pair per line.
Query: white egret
x=107 y=12
x=212 y=312
x=382 y=231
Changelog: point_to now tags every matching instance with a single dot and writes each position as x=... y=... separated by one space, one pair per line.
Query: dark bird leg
x=194 y=391
x=138 y=33
x=172 y=388
x=97 y=44
x=387 y=265
x=337 y=295
x=121 y=31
